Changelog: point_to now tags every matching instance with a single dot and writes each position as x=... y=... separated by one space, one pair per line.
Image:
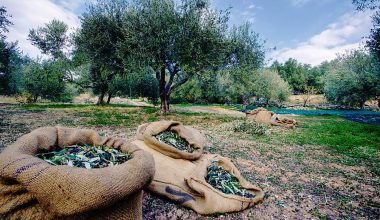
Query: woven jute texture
x=260 y=115
x=147 y=133
x=31 y=188
x=183 y=181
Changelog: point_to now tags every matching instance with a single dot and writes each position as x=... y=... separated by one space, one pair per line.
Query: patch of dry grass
x=7 y=99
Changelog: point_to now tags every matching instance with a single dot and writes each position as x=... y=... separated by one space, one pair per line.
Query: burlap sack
x=183 y=182
x=147 y=133
x=260 y=115
x=31 y=188
x=283 y=121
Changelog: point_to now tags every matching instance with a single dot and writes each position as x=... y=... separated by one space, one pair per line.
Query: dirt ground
x=210 y=109
x=87 y=99
x=318 y=100
x=301 y=182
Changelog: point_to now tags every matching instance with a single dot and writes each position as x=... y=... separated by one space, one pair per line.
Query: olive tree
x=96 y=44
x=52 y=39
x=294 y=73
x=271 y=87
x=176 y=41
x=4 y=21
x=373 y=42
x=11 y=59
x=180 y=40
x=353 y=78
x=44 y=79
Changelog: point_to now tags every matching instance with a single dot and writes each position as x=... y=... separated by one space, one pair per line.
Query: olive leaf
x=85 y=156
x=174 y=139
x=223 y=181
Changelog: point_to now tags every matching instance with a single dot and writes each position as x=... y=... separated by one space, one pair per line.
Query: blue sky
x=309 y=30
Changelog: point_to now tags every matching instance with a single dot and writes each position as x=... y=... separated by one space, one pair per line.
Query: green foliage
x=315 y=77
x=141 y=84
x=176 y=41
x=224 y=181
x=24 y=97
x=173 y=41
x=250 y=127
x=270 y=86
x=373 y=43
x=180 y=40
x=246 y=49
x=6 y=51
x=234 y=85
x=353 y=78
x=51 y=39
x=85 y=156
x=175 y=140
x=44 y=79
x=96 y=46
x=4 y=22
x=208 y=88
x=294 y=73
x=11 y=60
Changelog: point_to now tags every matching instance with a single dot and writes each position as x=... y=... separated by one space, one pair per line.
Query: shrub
x=250 y=127
x=24 y=97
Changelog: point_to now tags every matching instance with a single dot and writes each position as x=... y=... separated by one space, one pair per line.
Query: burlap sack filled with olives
x=185 y=183
x=260 y=115
x=31 y=188
x=217 y=194
x=172 y=139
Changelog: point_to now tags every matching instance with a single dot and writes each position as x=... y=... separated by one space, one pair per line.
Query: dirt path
x=86 y=98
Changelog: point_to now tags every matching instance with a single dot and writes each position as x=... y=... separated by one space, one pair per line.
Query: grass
x=356 y=139
x=229 y=107
x=332 y=131
x=125 y=115
x=360 y=142
x=63 y=106
x=8 y=99
x=291 y=165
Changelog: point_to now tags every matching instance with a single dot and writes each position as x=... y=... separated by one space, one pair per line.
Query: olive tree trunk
x=109 y=98
x=164 y=103
x=166 y=88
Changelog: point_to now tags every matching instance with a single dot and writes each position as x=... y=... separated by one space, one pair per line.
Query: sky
x=310 y=31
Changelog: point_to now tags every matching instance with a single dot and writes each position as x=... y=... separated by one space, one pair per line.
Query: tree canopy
x=52 y=39
x=353 y=78
x=4 y=21
x=174 y=40
x=97 y=44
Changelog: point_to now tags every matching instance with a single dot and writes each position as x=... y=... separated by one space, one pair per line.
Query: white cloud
x=27 y=14
x=252 y=6
x=345 y=34
x=248 y=14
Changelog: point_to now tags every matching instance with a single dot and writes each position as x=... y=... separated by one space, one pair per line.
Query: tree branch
x=181 y=82
x=173 y=71
x=83 y=85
